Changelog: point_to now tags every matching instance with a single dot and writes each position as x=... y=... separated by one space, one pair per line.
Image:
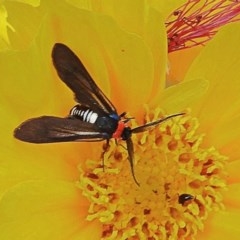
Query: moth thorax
x=84 y=113
x=126 y=133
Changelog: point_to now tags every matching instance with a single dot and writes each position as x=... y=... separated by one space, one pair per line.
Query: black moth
x=94 y=118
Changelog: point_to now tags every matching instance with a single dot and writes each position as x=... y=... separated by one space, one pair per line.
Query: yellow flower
x=60 y=191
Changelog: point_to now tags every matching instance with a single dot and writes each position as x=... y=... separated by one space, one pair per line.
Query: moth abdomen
x=83 y=113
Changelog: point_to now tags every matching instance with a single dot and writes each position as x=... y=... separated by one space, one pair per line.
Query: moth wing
x=48 y=129
x=73 y=73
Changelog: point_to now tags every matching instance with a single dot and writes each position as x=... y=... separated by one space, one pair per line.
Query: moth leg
x=105 y=148
x=116 y=142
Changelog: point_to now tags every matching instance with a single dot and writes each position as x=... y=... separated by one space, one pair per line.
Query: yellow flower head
x=187 y=167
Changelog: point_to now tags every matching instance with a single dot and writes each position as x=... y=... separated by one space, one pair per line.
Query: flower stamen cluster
x=169 y=161
x=196 y=22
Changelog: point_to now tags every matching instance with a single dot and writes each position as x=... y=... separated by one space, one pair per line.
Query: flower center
x=180 y=182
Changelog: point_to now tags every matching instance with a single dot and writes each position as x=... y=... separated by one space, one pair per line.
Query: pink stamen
x=197 y=21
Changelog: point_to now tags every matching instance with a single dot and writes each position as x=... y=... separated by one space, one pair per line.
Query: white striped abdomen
x=84 y=113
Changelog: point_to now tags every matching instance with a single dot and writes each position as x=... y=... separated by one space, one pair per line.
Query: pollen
x=196 y=22
x=170 y=162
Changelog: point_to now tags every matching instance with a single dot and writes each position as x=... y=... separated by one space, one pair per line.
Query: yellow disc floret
x=169 y=161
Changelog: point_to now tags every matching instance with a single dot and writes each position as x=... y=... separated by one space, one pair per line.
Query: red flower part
x=196 y=22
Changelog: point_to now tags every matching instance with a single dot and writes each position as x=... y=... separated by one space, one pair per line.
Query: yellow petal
x=155 y=36
x=219 y=110
x=45 y=210
x=21 y=97
x=22 y=161
x=4 y=25
x=178 y=69
x=143 y=21
x=85 y=4
x=225 y=136
x=232 y=197
x=222 y=225
x=33 y=3
x=25 y=19
x=24 y=76
x=166 y=6
x=177 y=98
x=120 y=12
x=233 y=170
